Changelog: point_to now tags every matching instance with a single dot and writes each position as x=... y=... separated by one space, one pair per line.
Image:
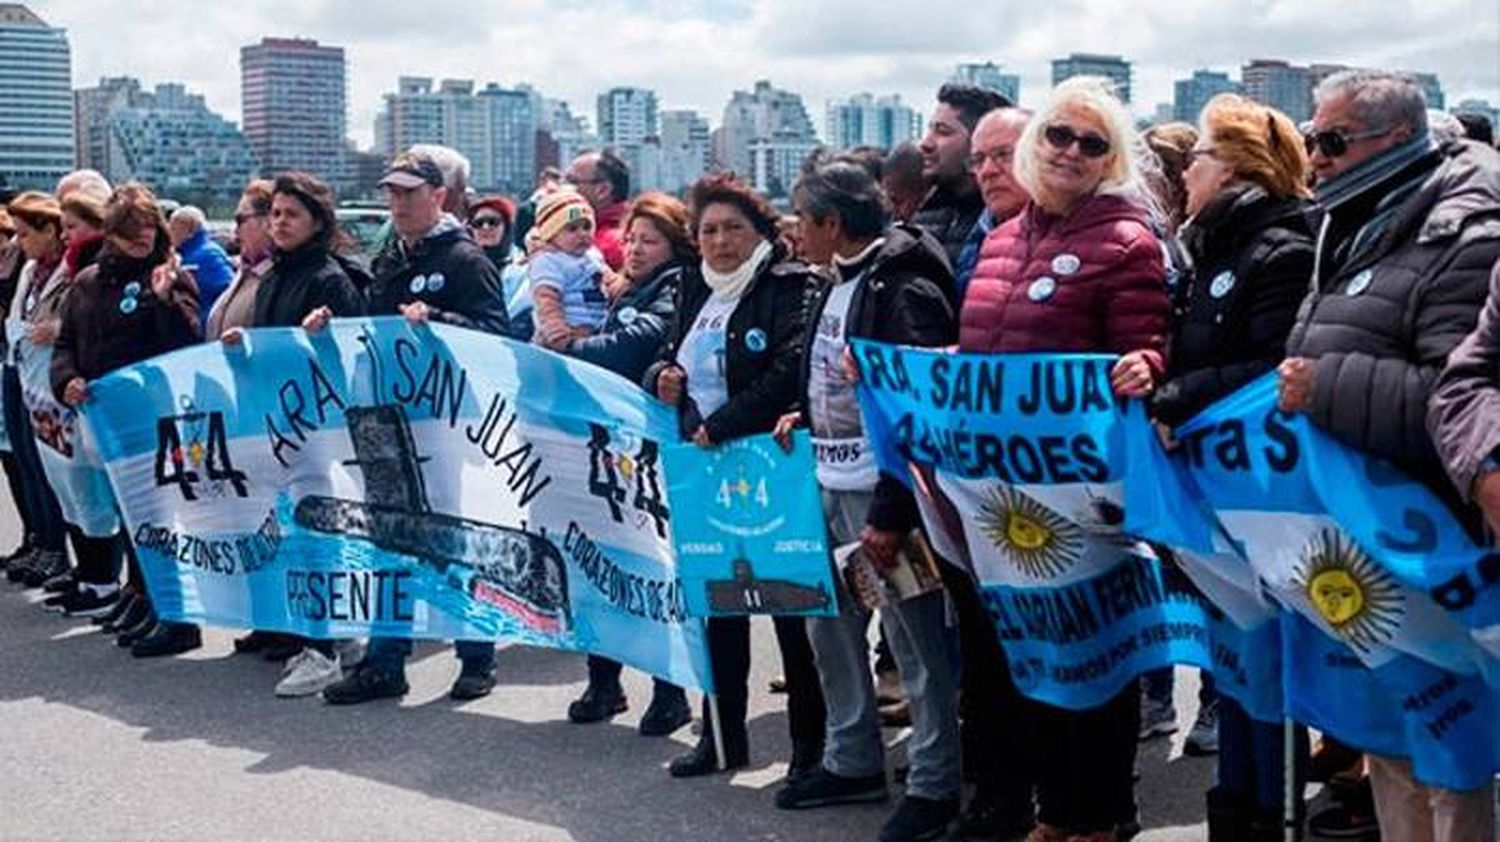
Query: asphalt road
x=95 y=745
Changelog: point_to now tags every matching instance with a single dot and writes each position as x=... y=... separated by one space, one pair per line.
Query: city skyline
x=734 y=43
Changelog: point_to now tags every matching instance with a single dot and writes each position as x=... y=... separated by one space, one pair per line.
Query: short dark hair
x=871 y=158
x=612 y=168
x=971 y=101
x=1477 y=127
x=318 y=199
x=727 y=189
x=847 y=190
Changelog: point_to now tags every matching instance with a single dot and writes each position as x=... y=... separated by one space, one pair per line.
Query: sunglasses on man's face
x=486 y=222
x=1090 y=144
x=1334 y=143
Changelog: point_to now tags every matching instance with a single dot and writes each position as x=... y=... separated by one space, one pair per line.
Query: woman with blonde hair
x=1251 y=252
x=1078 y=270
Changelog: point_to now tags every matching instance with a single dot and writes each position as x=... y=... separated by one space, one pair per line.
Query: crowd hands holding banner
x=1356 y=258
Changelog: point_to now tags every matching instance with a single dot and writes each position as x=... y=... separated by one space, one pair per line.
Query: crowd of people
x=1356 y=256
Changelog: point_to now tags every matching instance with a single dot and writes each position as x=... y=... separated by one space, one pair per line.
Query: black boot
x=704 y=759
x=1265 y=826
x=130 y=634
x=668 y=711
x=599 y=702
x=1228 y=817
x=168 y=638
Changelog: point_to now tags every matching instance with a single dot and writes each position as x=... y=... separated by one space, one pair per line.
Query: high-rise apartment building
x=865 y=120
x=292 y=94
x=1279 y=84
x=686 y=150
x=36 y=100
x=166 y=138
x=1114 y=68
x=989 y=75
x=775 y=118
x=495 y=128
x=1190 y=95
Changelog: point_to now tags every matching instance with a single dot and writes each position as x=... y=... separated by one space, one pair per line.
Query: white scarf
x=731 y=284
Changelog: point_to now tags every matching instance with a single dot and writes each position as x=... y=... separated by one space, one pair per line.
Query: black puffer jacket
x=447 y=271
x=1251 y=256
x=902 y=301
x=302 y=281
x=630 y=338
x=1382 y=323
x=761 y=377
x=950 y=216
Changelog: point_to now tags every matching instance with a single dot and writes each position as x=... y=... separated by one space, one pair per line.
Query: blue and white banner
x=381 y=479
x=1369 y=655
x=68 y=454
x=1019 y=464
x=747 y=522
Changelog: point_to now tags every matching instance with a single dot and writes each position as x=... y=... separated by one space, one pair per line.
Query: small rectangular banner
x=1019 y=463
x=747 y=522
x=382 y=479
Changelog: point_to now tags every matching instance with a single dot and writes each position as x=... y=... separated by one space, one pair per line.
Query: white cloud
x=695 y=53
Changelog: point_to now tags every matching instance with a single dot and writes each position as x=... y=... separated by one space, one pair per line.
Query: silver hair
x=1445 y=127
x=1011 y=115
x=192 y=215
x=1379 y=98
x=454 y=165
x=91 y=183
x=1130 y=162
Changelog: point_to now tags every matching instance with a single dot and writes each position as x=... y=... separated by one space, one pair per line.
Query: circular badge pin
x=133 y=288
x=628 y=315
x=128 y=305
x=1041 y=289
x=1066 y=264
x=1221 y=284
x=1359 y=283
x=755 y=340
x=419 y=285
x=435 y=281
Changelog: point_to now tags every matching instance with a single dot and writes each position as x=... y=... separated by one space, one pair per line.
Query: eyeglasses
x=242 y=218
x=1061 y=137
x=486 y=222
x=1001 y=156
x=1334 y=143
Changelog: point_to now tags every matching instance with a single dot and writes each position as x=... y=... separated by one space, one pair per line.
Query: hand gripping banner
x=383 y=479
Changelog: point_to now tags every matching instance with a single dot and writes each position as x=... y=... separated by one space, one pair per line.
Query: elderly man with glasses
x=1409 y=232
x=604 y=179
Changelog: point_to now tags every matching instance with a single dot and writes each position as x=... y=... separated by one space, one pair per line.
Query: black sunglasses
x=242 y=218
x=486 y=222
x=1090 y=144
x=1334 y=143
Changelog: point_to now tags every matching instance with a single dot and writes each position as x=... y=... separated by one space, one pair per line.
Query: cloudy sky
x=695 y=52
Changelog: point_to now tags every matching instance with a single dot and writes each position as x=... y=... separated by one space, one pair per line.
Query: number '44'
x=173 y=466
x=729 y=491
x=643 y=471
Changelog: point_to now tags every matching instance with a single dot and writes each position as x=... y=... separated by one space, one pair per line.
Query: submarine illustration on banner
x=515 y=570
x=746 y=594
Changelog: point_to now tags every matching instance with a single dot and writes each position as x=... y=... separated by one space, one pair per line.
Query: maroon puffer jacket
x=1094 y=281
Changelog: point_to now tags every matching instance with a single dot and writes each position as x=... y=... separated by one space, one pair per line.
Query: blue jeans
x=1252 y=758
x=390 y=653
x=925 y=652
x=43 y=513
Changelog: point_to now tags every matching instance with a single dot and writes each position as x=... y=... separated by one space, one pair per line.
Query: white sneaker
x=307 y=673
